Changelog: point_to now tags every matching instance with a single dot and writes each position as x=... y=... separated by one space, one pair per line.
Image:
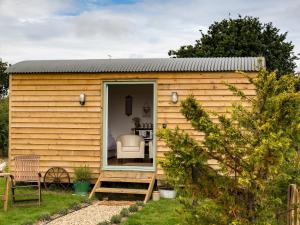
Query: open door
x=129 y=126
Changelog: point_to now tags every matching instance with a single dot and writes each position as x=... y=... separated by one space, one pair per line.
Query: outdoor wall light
x=82 y=99
x=174 y=97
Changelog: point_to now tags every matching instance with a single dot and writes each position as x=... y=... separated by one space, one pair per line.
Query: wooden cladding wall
x=46 y=118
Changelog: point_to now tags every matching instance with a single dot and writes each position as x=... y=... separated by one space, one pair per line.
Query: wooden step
x=125 y=180
x=128 y=177
x=122 y=190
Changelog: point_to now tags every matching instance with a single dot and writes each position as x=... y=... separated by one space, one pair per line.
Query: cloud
x=55 y=29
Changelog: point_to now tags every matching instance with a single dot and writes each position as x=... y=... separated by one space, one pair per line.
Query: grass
x=162 y=212
x=52 y=202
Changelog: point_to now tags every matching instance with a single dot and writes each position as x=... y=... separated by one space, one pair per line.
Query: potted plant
x=166 y=190
x=82 y=180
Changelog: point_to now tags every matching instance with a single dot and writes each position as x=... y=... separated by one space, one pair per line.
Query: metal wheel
x=57 y=177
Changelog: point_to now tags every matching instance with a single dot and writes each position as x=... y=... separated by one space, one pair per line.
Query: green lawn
x=52 y=202
x=162 y=212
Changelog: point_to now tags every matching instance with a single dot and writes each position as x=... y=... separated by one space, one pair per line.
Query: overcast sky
x=71 y=29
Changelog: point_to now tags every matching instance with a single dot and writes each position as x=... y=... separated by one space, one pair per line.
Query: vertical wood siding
x=46 y=118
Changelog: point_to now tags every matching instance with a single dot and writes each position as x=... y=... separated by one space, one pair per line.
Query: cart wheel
x=57 y=177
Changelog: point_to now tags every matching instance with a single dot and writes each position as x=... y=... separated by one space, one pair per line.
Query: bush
x=27 y=223
x=124 y=212
x=133 y=208
x=140 y=203
x=63 y=212
x=75 y=206
x=258 y=143
x=45 y=217
x=3 y=126
x=82 y=173
x=104 y=223
x=116 y=219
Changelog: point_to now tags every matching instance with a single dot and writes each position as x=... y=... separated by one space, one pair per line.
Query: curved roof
x=139 y=65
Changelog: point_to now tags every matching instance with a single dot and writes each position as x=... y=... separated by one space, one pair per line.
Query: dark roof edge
x=209 y=64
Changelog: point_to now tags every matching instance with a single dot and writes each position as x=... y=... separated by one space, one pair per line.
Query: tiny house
x=104 y=113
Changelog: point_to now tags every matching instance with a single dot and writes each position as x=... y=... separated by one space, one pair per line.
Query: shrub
x=87 y=201
x=124 y=212
x=75 y=206
x=27 y=223
x=82 y=173
x=45 y=217
x=104 y=223
x=63 y=212
x=116 y=219
x=258 y=143
x=140 y=203
x=133 y=208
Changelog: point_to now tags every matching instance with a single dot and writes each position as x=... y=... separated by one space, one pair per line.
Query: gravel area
x=93 y=214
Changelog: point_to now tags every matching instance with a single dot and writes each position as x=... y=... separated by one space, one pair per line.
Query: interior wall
x=118 y=122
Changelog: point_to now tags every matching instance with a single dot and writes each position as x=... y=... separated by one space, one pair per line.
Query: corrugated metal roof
x=139 y=65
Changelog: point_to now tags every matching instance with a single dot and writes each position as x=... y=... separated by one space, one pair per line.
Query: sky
x=85 y=29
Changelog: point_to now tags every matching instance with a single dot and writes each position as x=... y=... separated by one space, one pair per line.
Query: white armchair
x=130 y=146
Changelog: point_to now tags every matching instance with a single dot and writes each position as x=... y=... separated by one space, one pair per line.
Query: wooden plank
x=19 y=130
x=59 y=152
x=54 y=87
x=96 y=186
x=56 y=109
x=39 y=81
x=202 y=92
x=209 y=79
x=56 y=114
x=74 y=103
x=199 y=86
x=150 y=189
x=56 y=120
x=201 y=98
x=128 y=174
x=49 y=147
x=57 y=125
x=58 y=136
x=59 y=92
x=34 y=98
x=125 y=180
x=55 y=141
x=121 y=190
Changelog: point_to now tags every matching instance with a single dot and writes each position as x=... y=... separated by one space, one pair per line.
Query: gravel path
x=92 y=215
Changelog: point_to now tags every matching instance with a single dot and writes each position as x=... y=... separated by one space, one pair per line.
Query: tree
x=256 y=150
x=243 y=37
x=3 y=79
x=3 y=126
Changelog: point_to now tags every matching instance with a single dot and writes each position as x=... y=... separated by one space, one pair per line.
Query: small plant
x=27 y=223
x=75 y=206
x=82 y=173
x=116 y=219
x=104 y=223
x=140 y=203
x=124 y=212
x=45 y=217
x=63 y=212
x=133 y=208
x=87 y=201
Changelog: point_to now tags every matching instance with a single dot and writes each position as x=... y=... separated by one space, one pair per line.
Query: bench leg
x=6 y=193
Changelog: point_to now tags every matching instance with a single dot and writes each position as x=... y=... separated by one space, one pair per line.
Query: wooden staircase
x=125 y=177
